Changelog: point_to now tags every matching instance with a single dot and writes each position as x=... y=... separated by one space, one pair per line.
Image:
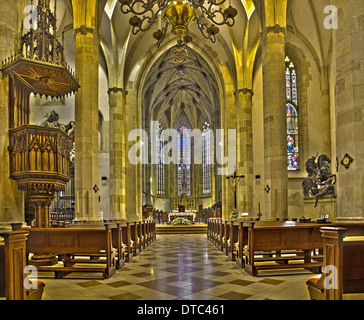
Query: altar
x=189 y=214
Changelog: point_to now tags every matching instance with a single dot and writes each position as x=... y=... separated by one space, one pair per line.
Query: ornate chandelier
x=179 y=14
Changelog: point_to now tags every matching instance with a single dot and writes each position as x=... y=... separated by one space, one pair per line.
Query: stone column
x=117 y=153
x=349 y=51
x=326 y=119
x=245 y=150
x=275 y=128
x=133 y=180
x=86 y=133
x=11 y=199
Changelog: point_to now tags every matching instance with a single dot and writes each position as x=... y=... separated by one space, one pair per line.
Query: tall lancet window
x=206 y=161
x=292 y=116
x=184 y=161
x=161 y=180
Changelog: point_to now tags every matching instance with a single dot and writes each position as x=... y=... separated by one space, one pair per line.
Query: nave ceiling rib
x=170 y=86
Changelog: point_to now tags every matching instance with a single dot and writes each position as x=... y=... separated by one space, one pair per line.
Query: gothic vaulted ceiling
x=181 y=93
x=127 y=56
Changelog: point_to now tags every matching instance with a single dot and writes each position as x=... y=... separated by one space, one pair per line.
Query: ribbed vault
x=177 y=93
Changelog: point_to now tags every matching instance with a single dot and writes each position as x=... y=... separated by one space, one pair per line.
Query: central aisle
x=179 y=267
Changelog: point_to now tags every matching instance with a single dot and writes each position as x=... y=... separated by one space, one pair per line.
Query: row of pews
x=88 y=248
x=80 y=247
x=273 y=245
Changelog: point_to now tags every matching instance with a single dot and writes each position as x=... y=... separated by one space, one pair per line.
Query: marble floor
x=179 y=267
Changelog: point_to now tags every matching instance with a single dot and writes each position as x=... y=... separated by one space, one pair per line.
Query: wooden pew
x=353 y=229
x=213 y=230
x=127 y=242
x=219 y=234
x=226 y=232
x=209 y=229
x=284 y=245
x=240 y=245
x=117 y=241
x=233 y=240
x=154 y=231
x=134 y=238
x=242 y=239
x=141 y=235
x=145 y=234
x=70 y=242
x=12 y=268
x=149 y=233
x=343 y=266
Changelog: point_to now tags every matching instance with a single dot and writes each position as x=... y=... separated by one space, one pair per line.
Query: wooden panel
x=353 y=265
x=267 y=240
x=330 y=255
x=18 y=272
x=61 y=239
x=92 y=240
x=2 y=270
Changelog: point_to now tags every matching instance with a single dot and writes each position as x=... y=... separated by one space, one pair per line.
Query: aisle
x=185 y=267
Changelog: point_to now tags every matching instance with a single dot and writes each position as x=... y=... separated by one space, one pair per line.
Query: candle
x=160 y=20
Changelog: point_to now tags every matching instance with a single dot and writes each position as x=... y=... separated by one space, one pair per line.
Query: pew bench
x=71 y=242
x=282 y=246
x=232 y=243
x=239 y=247
x=343 y=273
x=120 y=240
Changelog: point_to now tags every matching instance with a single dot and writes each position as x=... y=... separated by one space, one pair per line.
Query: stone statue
x=52 y=120
x=320 y=181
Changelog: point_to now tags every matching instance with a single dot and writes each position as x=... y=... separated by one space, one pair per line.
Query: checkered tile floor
x=179 y=267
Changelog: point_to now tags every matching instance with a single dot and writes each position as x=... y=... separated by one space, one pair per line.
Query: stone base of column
x=89 y=220
x=133 y=217
x=325 y=205
x=349 y=219
x=116 y=219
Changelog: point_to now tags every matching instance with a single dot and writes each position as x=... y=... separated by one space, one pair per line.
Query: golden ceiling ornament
x=179 y=14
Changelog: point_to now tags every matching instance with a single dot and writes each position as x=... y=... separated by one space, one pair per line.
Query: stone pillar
x=11 y=199
x=275 y=128
x=349 y=51
x=245 y=150
x=133 y=191
x=326 y=119
x=86 y=116
x=117 y=153
x=228 y=122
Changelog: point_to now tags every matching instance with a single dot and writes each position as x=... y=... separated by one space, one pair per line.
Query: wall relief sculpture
x=320 y=181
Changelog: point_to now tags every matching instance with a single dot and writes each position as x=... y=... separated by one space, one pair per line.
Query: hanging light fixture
x=179 y=14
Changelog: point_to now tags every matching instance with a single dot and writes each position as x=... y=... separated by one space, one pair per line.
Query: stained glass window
x=184 y=161
x=292 y=116
x=206 y=152
x=161 y=181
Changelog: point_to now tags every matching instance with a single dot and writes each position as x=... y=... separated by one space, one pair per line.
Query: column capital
x=83 y=30
x=244 y=91
x=116 y=90
x=275 y=29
